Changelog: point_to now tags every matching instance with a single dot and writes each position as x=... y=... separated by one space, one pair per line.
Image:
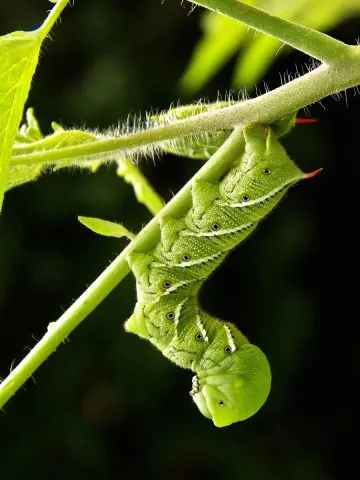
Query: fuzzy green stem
x=51 y=19
x=312 y=42
x=114 y=273
x=266 y=109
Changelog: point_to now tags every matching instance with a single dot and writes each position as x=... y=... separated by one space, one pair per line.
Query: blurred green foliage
x=108 y=405
x=223 y=37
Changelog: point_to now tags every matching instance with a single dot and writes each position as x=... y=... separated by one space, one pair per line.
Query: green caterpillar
x=232 y=376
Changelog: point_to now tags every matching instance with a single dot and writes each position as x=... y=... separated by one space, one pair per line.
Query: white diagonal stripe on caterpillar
x=217 y=233
x=198 y=261
x=230 y=338
x=177 y=315
x=256 y=201
x=145 y=296
x=201 y=327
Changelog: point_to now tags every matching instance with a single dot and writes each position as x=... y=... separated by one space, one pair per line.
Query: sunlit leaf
x=210 y=56
x=19 y=54
x=247 y=71
x=106 y=228
x=20 y=174
x=30 y=130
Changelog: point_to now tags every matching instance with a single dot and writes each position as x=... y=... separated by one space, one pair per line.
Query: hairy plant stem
x=52 y=18
x=113 y=274
x=265 y=109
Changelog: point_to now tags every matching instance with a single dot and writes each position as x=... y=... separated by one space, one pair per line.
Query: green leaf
x=19 y=54
x=30 y=130
x=257 y=52
x=221 y=40
x=106 y=228
x=20 y=174
x=253 y=64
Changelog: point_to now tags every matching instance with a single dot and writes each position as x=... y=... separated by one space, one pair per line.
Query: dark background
x=108 y=405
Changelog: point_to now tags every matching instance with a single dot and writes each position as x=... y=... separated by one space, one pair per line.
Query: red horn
x=312 y=174
x=300 y=121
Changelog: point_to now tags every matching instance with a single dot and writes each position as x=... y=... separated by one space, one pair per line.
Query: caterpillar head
x=235 y=389
x=263 y=175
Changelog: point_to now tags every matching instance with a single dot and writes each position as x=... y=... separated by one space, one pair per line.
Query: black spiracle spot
x=245 y=198
x=186 y=258
x=199 y=336
x=221 y=403
x=228 y=349
x=166 y=284
x=215 y=227
x=170 y=315
x=267 y=171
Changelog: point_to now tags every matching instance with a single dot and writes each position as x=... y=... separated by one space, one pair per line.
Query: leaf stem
x=314 y=43
x=51 y=19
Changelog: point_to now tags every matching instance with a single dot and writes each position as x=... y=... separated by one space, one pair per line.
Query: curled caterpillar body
x=233 y=377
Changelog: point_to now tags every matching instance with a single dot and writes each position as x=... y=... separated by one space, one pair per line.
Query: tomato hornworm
x=232 y=376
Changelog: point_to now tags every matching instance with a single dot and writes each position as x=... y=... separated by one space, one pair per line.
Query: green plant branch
x=314 y=43
x=325 y=80
x=58 y=331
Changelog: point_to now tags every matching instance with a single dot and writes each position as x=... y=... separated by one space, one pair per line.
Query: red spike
x=312 y=174
x=299 y=121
